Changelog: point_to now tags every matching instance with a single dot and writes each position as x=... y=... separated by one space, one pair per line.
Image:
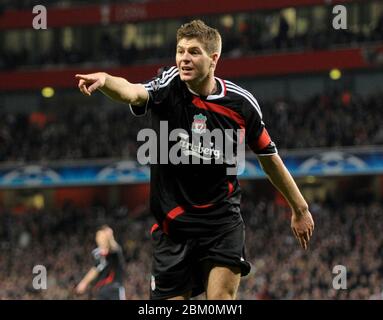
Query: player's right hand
x=90 y=82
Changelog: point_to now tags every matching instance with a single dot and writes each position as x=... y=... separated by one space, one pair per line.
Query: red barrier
x=271 y=65
x=123 y=13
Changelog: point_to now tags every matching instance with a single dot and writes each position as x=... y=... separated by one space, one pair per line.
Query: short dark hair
x=102 y=227
x=208 y=36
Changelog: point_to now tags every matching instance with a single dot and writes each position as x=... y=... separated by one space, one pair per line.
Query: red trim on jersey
x=231 y=188
x=105 y=281
x=263 y=140
x=199 y=103
x=202 y=206
x=154 y=228
x=171 y=215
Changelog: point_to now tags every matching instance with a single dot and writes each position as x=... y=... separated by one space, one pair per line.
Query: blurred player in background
x=198 y=241
x=107 y=274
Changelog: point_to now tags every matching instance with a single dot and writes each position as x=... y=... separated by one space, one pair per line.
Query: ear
x=214 y=59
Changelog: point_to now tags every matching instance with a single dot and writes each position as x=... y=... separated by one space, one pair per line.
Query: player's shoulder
x=248 y=99
x=235 y=90
x=116 y=248
x=165 y=77
x=96 y=253
x=167 y=72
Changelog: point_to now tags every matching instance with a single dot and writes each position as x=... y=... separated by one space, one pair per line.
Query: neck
x=206 y=87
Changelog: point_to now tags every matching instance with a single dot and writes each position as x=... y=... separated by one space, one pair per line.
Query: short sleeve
x=257 y=137
x=99 y=261
x=158 y=89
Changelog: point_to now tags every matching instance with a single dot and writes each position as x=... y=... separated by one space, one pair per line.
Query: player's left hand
x=302 y=225
x=81 y=288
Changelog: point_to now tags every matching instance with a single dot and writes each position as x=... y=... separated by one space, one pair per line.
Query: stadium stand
x=288 y=49
x=347 y=233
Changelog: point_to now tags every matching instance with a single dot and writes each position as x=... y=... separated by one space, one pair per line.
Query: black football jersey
x=109 y=266
x=198 y=195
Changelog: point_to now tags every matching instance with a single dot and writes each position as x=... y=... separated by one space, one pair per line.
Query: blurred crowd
x=264 y=33
x=346 y=233
x=328 y=120
x=62 y=241
x=71 y=133
x=340 y=118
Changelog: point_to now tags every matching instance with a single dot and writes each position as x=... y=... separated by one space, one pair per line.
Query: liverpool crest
x=199 y=124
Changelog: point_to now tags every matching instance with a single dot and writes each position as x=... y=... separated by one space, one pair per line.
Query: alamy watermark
x=340 y=20
x=39 y=281
x=201 y=147
x=40 y=19
x=340 y=280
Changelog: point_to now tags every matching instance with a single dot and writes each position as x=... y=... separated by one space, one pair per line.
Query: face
x=193 y=62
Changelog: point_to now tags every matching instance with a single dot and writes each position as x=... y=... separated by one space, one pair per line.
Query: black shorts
x=177 y=264
x=113 y=291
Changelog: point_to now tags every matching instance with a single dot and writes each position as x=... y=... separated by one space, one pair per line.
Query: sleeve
x=257 y=137
x=99 y=263
x=158 y=89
